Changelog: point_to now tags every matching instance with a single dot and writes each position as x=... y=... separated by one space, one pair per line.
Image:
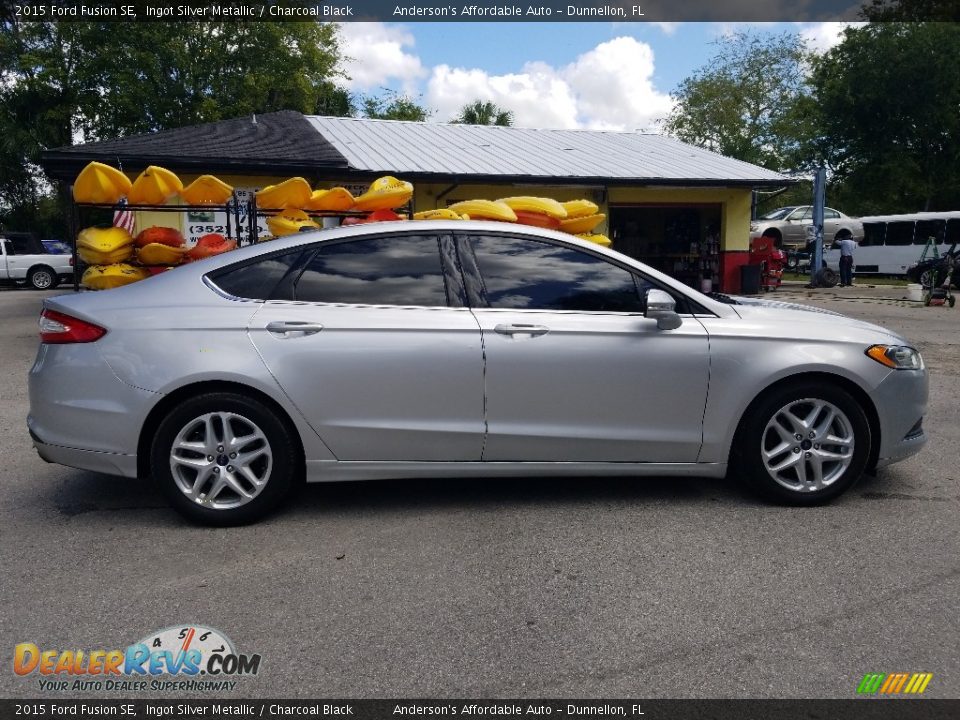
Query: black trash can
x=750 y=279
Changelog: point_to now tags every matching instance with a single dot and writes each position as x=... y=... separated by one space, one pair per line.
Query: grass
x=857 y=279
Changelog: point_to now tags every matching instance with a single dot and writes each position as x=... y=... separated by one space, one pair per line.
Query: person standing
x=847 y=247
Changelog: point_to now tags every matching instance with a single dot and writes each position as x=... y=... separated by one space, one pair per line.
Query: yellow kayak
x=99 y=183
x=544 y=206
x=154 y=186
x=103 y=239
x=579 y=208
x=290 y=221
x=206 y=190
x=598 y=239
x=97 y=257
x=581 y=224
x=386 y=193
x=336 y=199
x=438 y=214
x=104 y=277
x=160 y=254
x=292 y=193
x=485 y=210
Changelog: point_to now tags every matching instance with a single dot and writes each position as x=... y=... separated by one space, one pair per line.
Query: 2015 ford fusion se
x=446 y=349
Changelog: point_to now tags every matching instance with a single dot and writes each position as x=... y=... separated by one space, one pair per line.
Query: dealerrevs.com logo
x=180 y=657
x=894 y=683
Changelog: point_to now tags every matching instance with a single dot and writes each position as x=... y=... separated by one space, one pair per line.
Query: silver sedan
x=439 y=349
x=791 y=226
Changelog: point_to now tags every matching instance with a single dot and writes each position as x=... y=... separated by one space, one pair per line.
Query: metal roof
x=436 y=149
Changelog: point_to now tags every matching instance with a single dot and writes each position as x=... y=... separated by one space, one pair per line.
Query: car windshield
x=779 y=214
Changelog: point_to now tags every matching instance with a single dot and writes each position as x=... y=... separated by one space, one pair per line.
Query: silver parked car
x=439 y=349
x=789 y=226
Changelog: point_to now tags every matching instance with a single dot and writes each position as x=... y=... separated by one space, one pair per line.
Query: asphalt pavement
x=684 y=588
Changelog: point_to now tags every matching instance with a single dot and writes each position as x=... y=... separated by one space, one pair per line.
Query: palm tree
x=483 y=113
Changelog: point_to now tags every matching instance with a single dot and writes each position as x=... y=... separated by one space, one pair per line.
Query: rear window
x=256 y=279
x=400 y=270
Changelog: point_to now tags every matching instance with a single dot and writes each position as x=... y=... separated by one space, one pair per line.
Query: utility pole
x=819 y=200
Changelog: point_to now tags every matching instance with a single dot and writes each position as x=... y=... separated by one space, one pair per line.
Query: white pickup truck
x=24 y=259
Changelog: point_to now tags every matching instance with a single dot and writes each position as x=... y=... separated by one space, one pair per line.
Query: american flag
x=124 y=218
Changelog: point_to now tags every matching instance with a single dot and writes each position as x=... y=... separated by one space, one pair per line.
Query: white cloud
x=667 y=28
x=378 y=55
x=823 y=36
x=610 y=88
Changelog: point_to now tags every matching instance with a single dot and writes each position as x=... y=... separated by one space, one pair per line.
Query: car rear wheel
x=803 y=445
x=224 y=459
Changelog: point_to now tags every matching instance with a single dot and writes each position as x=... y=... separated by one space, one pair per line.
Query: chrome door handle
x=284 y=328
x=521 y=329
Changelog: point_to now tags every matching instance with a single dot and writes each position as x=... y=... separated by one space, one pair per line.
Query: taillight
x=57 y=328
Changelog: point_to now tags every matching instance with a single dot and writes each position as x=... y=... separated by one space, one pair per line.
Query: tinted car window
x=258 y=279
x=519 y=273
x=831 y=214
x=802 y=214
x=394 y=270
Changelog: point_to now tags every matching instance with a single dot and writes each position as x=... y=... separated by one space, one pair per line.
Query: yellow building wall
x=735 y=202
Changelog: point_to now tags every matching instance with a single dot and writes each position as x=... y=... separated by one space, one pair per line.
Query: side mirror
x=662 y=308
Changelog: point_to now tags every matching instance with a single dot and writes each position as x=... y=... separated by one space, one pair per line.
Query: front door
x=574 y=371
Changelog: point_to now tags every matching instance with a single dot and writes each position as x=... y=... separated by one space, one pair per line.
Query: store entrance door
x=681 y=240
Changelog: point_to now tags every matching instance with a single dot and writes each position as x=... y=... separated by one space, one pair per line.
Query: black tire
x=932 y=277
x=755 y=435
x=279 y=468
x=43 y=278
x=827 y=278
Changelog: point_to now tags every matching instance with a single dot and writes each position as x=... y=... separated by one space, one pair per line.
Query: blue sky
x=614 y=76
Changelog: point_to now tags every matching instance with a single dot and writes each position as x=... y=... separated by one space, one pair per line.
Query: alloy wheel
x=807 y=445
x=221 y=460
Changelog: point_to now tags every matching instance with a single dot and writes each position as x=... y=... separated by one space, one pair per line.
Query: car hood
x=798 y=319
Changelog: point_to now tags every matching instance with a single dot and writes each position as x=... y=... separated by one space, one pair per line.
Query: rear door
x=372 y=341
x=574 y=371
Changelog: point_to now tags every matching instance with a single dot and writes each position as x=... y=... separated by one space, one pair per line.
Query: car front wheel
x=803 y=445
x=223 y=459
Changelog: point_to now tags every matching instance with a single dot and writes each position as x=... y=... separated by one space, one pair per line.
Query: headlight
x=898 y=357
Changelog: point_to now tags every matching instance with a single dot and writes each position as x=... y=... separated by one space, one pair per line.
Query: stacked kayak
x=105 y=185
x=385 y=193
x=294 y=193
x=115 y=258
x=154 y=186
x=206 y=190
x=99 y=183
x=104 y=246
x=536 y=211
x=290 y=221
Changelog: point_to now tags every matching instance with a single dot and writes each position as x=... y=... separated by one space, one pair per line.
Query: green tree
x=911 y=10
x=335 y=101
x=391 y=105
x=888 y=116
x=60 y=82
x=743 y=103
x=483 y=113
